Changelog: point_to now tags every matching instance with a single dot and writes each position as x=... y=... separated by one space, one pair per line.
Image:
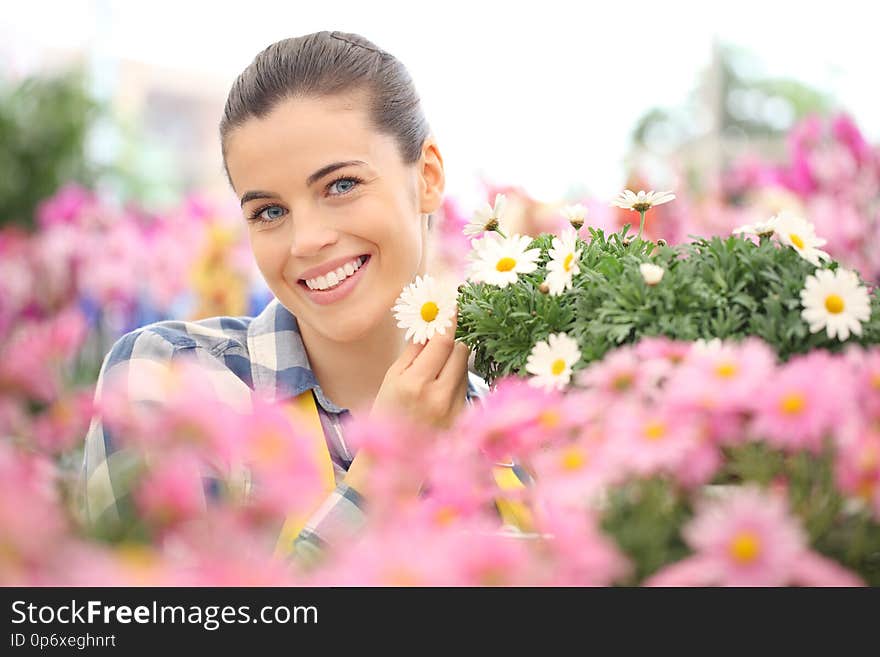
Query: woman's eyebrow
x=250 y=196
x=330 y=168
x=320 y=173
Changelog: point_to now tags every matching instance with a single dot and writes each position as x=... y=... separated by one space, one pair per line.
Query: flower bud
x=652 y=274
x=544 y=288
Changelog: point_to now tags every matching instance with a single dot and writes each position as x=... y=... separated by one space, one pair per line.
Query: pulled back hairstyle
x=326 y=64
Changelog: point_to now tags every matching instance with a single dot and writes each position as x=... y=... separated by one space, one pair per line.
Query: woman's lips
x=326 y=297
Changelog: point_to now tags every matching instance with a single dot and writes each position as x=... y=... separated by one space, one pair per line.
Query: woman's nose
x=310 y=235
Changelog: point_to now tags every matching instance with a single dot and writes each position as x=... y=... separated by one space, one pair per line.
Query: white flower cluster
x=832 y=300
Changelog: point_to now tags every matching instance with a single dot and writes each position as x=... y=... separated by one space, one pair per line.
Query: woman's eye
x=268 y=214
x=343 y=186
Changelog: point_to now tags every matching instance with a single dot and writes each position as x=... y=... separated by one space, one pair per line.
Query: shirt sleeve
x=132 y=369
x=108 y=469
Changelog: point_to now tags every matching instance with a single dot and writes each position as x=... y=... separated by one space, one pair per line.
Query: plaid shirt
x=242 y=355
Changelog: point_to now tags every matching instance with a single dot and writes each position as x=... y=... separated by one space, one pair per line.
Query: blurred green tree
x=44 y=125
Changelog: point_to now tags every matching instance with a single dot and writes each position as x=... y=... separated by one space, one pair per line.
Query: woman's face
x=322 y=190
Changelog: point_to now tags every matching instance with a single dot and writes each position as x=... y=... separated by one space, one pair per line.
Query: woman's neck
x=351 y=373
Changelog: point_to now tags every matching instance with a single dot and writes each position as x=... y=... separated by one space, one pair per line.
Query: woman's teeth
x=334 y=278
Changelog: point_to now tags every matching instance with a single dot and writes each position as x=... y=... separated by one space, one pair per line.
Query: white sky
x=544 y=94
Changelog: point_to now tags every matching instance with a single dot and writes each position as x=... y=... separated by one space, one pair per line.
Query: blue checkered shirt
x=242 y=355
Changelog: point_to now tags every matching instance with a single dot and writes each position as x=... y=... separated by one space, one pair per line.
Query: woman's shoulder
x=164 y=339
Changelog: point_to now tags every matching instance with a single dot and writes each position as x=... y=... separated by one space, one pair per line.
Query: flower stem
x=641 y=223
x=498 y=230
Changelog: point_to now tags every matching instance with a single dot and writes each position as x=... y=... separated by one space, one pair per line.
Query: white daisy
x=641 y=202
x=651 y=273
x=835 y=301
x=551 y=361
x=563 y=264
x=575 y=214
x=499 y=260
x=487 y=218
x=800 y=235
x=758 y=228
x=424 y=308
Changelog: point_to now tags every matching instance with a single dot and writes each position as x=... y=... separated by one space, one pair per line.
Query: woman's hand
x=427 y=383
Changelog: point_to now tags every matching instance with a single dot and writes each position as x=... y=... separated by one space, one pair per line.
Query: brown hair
x=326 y=64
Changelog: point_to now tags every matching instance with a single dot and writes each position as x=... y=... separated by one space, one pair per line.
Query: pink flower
x=802 y=402
x=647 y=441
x=748 y=538
x=171 y=490
x=283 y=460
x=580 y=554
x=65 y=206
x=857 y=465
x=721 y=377
x=574 y=473
x=64 y=423
x=415 y=551
x=619 y=376
x=662 y=348
x=30 y=514
x=515 y=419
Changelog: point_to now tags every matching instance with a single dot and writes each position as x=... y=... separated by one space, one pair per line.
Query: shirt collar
x=279 y=363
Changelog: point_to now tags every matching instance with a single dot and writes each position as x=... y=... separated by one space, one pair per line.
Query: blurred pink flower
x=748 y=538
x=574 y=473
x=66 y=205
x=802 y=402
x=284 y=467
x=857 y=465
x=515 y=419
x=648 y=441
x=721 y=377
x=580 y=554
x=171 y=490
x=31 y=517
x=622 y=375
x=416 y=551
x=64 y=423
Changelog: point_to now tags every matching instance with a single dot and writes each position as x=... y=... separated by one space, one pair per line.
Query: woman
x=325 y=144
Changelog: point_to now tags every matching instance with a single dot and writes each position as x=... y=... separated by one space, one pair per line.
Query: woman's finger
x=455 y=369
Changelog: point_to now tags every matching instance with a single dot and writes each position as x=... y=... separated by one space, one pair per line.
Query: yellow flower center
x=558 y=367
x=573 y=459
x=866 y=487
x=796 y=240
x=726 y=370
x=622 y=382
x=269 y=447
x=792 y=403
x=402 y=577
x=429 y=311
x=505 y=264
x=655 y=430
x=745 y=547
x=549 y=419
x=869 y=459
x=834 y=304
x=445 y=515
x=567 y=264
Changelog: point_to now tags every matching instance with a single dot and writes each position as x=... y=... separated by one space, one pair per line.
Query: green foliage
x=645 y=516
x=43 y=127
x=727 y=288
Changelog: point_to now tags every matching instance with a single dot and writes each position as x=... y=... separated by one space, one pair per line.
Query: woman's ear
x=432 y=179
